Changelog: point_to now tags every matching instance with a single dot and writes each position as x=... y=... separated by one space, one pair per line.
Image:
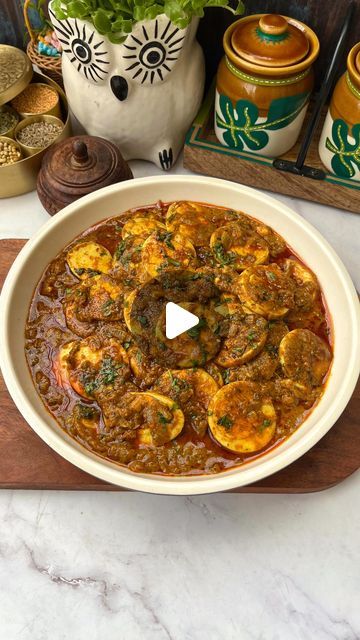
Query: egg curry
x=229 y=389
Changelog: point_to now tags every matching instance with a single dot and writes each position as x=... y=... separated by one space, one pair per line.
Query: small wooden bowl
x=10 y=132
x=14 y=144
x=26 y=149
x=54 y=111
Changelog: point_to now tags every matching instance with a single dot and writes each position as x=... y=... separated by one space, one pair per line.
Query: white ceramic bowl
x=305 y=240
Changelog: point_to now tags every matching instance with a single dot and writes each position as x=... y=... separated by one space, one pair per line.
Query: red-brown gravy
x=100 y=387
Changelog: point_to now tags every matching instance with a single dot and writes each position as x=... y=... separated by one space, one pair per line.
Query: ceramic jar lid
x=270 y=41
x=77 y=166
x=15 y=72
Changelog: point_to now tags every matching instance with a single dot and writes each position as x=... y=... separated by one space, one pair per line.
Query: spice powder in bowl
x=37 y=99
x=39 y=134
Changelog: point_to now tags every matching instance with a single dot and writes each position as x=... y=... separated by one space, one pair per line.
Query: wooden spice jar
x=264 y=83
x=78 y=166
x=339 y=146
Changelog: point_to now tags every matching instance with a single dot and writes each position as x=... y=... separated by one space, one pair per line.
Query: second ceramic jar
x=339 y=147
x=264 y=83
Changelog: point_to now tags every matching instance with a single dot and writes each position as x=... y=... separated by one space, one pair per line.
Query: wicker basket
x=49 y=66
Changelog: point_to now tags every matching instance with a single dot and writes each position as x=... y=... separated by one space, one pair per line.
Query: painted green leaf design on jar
x=240 y=121
x=346 y=158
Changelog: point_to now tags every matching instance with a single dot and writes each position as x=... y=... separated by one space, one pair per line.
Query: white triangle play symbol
x=178 y=320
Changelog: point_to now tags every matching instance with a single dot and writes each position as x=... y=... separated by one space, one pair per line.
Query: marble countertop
x=95 y=566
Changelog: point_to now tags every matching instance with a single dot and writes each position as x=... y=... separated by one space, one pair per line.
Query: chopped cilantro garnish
x=222 y=256
x=90 y=272
x=266 y=423
x=172 y=262
x=195 y=331
x=86 y=411
x=217 y=328
x=107 y=307
x=264 y=295
x=225 y=422
x=108 y=371
x=163 y=419
x=272 y=349
x=126 y=344
x=239 y=350
x=177 y=384
x=225 y=374
x=143 y=320
x=120 y=249
x=90 y=387
x=166 y=238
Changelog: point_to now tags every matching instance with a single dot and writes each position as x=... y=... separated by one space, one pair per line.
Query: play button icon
x=178 y=320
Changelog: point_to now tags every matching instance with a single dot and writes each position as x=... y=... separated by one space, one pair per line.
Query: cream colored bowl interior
x=303 y=238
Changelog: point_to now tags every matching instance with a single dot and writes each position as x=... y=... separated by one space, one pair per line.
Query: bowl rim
x=151 y=483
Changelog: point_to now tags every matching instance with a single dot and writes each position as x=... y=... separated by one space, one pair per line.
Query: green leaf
x=102 y=21
x=153 y=11
x=282 y=111
x=346 y=153
x=77 y=9
x=239 y=122
x=58 y=10
x=106 y=5
x=116 y=38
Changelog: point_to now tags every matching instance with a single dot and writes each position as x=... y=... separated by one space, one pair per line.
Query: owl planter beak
x=119 y=87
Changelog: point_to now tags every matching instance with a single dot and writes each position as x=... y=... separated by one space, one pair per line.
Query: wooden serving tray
x=203 y=153
x=26 y=462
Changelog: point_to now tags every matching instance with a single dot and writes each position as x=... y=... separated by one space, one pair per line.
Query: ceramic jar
x=264 y=83
x=339 y=146
x=141 y=94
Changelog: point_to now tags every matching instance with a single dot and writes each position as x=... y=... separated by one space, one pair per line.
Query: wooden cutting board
x=26 y=462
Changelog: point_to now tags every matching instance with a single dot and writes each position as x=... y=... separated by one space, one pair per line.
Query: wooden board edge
x=205 y=162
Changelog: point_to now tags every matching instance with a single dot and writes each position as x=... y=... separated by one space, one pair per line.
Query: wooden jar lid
x=270 y=41
x=78 y=166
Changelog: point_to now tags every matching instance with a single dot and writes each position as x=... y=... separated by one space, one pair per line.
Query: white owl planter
x=142 y=94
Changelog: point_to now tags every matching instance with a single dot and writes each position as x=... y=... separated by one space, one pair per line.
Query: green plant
x=115 y=18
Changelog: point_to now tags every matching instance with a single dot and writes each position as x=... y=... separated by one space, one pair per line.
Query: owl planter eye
x=85 y=48
x=151 y=52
